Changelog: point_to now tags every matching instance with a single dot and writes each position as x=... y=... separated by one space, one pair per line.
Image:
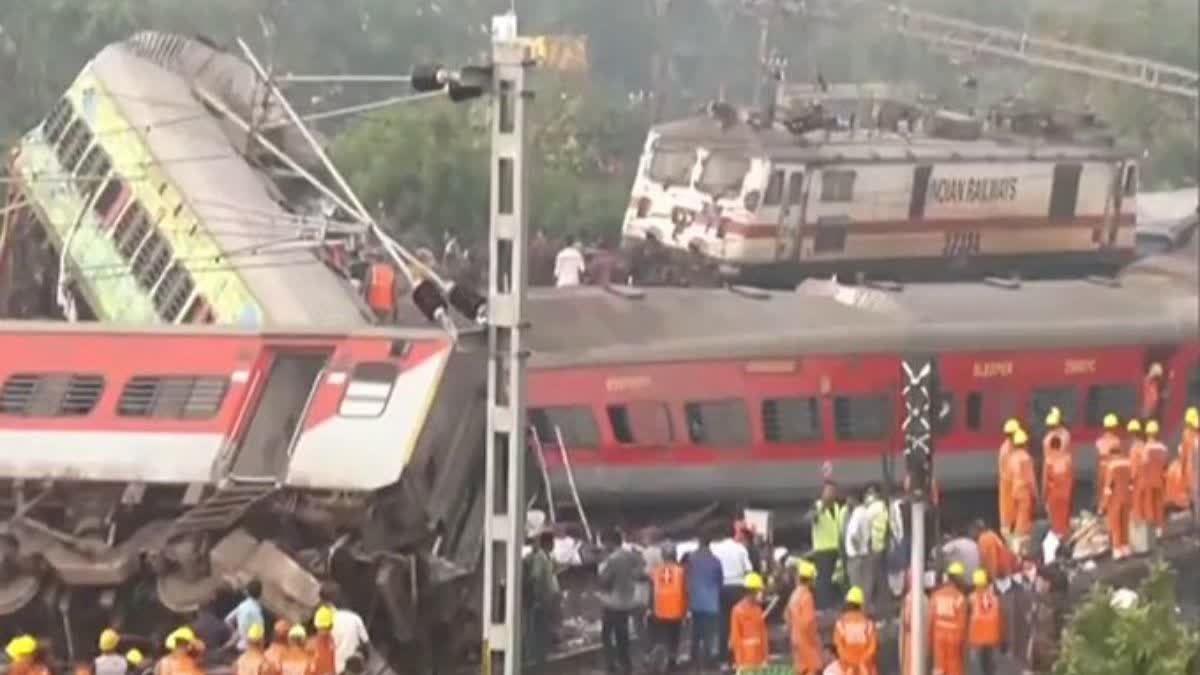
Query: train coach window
x=837 y=186
x=641 y=423
x=574 y=422
x=173 y=396
x=1066 y=399
x=862 y=418
x=369 y=389
x=719 y=424
x=791 y=420
x=50 y=394
x=774 y=194
x=57 y=120
x=1102 y=399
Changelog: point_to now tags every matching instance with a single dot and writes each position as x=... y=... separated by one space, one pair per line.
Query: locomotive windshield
x=723 y=174
x=672 y=166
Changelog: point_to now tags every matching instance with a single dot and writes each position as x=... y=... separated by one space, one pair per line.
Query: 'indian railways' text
x=973 y=190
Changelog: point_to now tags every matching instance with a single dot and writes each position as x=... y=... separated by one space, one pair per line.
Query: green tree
x=1150 y=639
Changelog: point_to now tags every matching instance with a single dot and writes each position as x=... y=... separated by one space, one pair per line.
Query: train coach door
x=791 y=216
x=275 y=413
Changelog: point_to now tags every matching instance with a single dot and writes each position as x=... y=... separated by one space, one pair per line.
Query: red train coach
x=716 y=394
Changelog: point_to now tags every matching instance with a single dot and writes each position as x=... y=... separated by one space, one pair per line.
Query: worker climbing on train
x=1152 y=387
x=296 y=658
x=948 y=622
x=1011 y=427
x=1107 y=444
x=854 y=637
x=381 y=289
x=21 y=651
x=1058 y=473
x=109 y=662
x=1116 y=501
x=1149 y=480
x=801 y=616
x=748 y=627
x=985 y=631
x=1021 y=491
x=1181 y=474
x=253 y=661
x=994 y=554
x=324 y=652
x=180 y=660
x=279 y=642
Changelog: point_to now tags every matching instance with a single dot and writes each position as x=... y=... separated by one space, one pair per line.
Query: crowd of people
x=334 y=642
x=1002 y=591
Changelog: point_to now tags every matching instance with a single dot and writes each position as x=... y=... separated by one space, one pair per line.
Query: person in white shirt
x=349 y=636
x=568 y=265
x=735 y=565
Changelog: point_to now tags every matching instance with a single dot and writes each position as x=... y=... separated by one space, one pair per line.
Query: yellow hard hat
x=1192 y=417
x=297 y=632
x=753 y=582
x=109 y=639
x=955 y=569
x=979 y=578
x=1012 y=426
x=806 y=569
x=1054 y=417
x=181 y=634
x=1133 y=427
x=21 y=646
x=1020 y=438
x=323 y=619
x=134 y=657
x=255 y=632
x=1111 y=421
x=855 y=596
x=1152 y=427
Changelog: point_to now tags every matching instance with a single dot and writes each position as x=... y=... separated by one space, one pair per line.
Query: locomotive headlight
x=751 y=201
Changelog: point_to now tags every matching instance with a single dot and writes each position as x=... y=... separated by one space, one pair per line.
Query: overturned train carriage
x=145 y=471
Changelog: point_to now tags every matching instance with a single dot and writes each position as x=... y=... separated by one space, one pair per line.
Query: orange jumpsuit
x=856 y=642
x=275 y=651
x=1058 y=487
x=1179 y=484
x=177 y=662
x=1117 y=495
x=948 y=629
x=1022 y=491
x=296 y=661
x=670 y=592
x=986 y=627
x=994 y=556
x=1150 y=484
x=748 y=634
x=254 y=662
x=1106 y=445
x=1005 y=499
x=807 y=658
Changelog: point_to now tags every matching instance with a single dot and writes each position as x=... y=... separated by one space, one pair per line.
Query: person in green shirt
x=541 y=599
x=828 y=517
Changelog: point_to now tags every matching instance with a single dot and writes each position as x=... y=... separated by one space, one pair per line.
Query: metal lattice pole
x=504 y=520
x=918 y=393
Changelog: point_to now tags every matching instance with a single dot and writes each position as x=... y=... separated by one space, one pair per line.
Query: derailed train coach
x=686 y=396
x=145 y=470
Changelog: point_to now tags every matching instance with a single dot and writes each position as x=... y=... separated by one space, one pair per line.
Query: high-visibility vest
x=381 y=294
x=879 y=529
x=827 y=527
x=948 y=614
x=987 y=622
x=855 y=640
x=670 y=592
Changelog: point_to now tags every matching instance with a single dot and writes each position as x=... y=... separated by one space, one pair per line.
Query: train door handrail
x=562 y=451
x=538 y=449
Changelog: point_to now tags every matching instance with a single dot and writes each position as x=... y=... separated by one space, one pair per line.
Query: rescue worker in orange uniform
x=381 y=290
x=670 y=603
x=1117 y=498
x=1150 y=481
x=855 y=638
x=321 y=647
x=279 y=638
x=1058 y=473
x=21 y=651
x=1181 y=473
x=1021 y=490
x=180 y=660
x=985 y=632
x=948 y=623
x=296 y=658
x=807 y=655
x=253 y=661
x=748 y=627
x=1011 y=427
x=1107 y=444
x=994 y=555
x=1152 y=391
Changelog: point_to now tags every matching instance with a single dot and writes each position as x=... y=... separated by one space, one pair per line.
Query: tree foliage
x=1150 y=639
